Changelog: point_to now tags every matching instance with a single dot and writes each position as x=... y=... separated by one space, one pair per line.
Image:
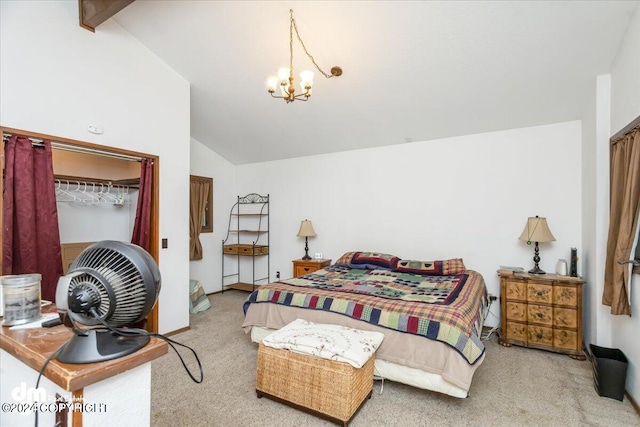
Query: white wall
x=56 y=78
x=625 y=107
x=205 y=162
x=463 y=197
x=595 y=212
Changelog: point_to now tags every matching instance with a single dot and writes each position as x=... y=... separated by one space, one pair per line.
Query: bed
x=430 y=312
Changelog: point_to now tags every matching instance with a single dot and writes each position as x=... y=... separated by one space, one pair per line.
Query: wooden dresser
x=542 y=311
x=302 y=267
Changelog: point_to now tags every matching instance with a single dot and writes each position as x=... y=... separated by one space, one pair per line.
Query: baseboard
x=633 y=402
x=213 y=293
x=177 y=331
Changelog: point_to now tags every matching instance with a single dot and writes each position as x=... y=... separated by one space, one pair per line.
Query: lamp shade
x=536 y=230
x=306 y=229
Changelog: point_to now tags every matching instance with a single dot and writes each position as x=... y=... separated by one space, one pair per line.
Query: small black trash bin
x=609 y=371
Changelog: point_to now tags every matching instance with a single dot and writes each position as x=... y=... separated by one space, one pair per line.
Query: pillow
x=346 y=258
x=431 y=268
x=374 y=260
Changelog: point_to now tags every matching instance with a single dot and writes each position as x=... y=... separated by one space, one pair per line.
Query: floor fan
x=110 y=284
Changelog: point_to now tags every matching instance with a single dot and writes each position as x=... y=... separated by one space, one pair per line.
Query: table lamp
x=306 y=231
x=536 y=231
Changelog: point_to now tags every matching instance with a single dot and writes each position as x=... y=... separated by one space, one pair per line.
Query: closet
x=96 y=195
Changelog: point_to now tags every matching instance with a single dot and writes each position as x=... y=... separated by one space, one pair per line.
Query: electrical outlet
x=277 y=274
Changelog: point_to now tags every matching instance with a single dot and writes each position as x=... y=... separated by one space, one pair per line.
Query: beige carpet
x=513 y=387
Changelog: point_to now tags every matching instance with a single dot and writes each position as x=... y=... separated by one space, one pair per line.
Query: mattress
x=409 y=359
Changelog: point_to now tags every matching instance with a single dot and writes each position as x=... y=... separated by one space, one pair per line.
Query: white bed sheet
x=394 y=372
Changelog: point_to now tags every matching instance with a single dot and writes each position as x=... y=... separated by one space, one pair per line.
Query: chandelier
x=285 y=77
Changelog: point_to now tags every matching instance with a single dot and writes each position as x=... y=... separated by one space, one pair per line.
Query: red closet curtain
x=142 y=225
x=30 y=237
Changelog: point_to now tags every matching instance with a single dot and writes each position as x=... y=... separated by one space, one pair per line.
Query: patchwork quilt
x=442 y=308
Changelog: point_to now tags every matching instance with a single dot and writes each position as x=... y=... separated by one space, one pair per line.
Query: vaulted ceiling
x=413 y=70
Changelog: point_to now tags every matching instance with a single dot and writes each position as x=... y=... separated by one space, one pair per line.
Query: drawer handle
x=307 y=268
x=539 y=335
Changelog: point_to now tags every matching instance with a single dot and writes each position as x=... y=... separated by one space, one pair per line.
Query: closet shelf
x=129 y=182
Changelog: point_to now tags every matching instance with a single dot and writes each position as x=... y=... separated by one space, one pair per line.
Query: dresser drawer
x=565 y=295
x=540 y=335
x=517 y=311
x=567 y=340
x=516 y=290
x=538 y=292
x=302 y=270
x=302 y=267
x=516 y=331
x=565 y=318
x=540 y=314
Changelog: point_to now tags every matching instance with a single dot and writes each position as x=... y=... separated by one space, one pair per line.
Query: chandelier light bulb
x=306 y=80
x=283 y=75
x=272 y=83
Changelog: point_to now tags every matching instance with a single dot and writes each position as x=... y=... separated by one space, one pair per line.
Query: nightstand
x=542 y=311
x=302 y=267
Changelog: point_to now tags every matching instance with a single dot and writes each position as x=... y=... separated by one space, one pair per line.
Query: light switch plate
x=318 y=255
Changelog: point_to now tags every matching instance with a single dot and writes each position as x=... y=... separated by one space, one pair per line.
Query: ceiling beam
x=94 y=12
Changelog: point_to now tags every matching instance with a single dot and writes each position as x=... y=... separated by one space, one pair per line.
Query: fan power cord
x=485 y=337
x=378 y=377
x=44 y=366
x=195 y=355
x=137 y=332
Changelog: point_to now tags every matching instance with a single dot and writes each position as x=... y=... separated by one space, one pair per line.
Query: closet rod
x=86 y=150
x=82 y=150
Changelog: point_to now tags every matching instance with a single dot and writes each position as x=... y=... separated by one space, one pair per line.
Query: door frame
x=154 y=239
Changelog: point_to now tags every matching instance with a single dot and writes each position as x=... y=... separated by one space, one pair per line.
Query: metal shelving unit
x=247 y=237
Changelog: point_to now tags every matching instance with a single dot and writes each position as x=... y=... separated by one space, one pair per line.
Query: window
x=207 y=221
x=624 y=204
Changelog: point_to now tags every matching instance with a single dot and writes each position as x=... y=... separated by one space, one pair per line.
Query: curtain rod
x=77 y=149
x=633 y=125
x=626 y=134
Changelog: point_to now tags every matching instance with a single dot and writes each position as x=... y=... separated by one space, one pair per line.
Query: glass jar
x=21 y=298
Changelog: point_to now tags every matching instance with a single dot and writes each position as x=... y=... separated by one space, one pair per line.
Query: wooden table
x=24 y=351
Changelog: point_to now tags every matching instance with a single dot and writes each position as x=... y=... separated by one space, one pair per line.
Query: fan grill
x=122 y=275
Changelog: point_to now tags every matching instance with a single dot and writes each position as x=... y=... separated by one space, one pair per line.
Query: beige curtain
x=623 y=220
x=198 y=201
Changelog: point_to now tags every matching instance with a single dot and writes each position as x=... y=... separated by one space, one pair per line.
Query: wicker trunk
x=329 y=389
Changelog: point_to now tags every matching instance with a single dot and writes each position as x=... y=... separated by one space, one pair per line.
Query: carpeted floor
x=513 y=387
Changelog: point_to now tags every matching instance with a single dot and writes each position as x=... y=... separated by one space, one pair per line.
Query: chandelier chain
x=295 y=27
